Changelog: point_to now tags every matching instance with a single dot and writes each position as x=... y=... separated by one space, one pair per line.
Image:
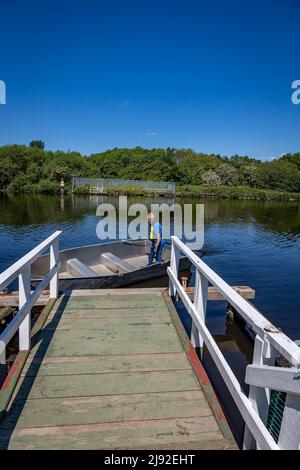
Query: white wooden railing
x=261 y=375
x=27 y=299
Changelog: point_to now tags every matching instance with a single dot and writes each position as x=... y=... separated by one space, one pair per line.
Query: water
x=253 y=243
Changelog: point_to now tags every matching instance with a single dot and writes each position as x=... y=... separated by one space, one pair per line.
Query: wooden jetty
x=114 y=369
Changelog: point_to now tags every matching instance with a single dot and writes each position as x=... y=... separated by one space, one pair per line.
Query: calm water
x=253 y=243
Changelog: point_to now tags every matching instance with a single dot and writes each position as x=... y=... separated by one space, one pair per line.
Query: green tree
x=37 y=143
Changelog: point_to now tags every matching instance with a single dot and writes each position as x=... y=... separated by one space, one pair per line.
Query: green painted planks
x=85 y=385
x=106 y=324
x=115 y=435
x=101 y=364
x=154 y=339
x=81 y=313
x=106 y=409
x=126 y=301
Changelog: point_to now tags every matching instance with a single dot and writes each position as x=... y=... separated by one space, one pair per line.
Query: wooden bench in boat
x=116 y=264
x=77 y=268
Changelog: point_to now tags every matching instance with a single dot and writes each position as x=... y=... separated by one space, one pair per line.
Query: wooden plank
x=105 y=409
x=84 y=385
x=118 y=302
x=154 y=339
x=106 y=324
x=115 y=292
x=124 y=435
x=103 y=364
x=211 y=444
x=87 y=314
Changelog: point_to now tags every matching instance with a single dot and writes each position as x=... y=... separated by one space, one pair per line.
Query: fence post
x=263 y=354
x=54 y=258
x=24 y=294
x=200 y=302
x=174 y=265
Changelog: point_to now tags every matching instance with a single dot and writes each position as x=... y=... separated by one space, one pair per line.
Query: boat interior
x=104 y=259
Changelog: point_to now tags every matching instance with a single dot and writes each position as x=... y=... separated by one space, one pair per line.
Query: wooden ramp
x=114 y=370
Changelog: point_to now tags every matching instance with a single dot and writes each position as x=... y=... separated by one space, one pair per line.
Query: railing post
x=24 y=294
x=174 y=265
x=200 y=302
x=263 y=354
x=289 y=436
x=54 y=258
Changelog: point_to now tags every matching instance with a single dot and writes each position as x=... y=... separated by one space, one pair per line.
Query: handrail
x=269 y=342
x=27 y=299
x=251 y=315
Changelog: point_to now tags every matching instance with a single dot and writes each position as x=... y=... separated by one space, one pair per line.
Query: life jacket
x=151 y=232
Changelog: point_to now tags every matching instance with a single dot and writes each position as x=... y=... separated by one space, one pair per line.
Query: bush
x=47 y=187
x=211 y=178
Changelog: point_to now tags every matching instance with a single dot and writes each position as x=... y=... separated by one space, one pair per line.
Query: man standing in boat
x=156 y=239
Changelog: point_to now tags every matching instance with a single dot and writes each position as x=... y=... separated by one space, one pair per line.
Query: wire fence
x=119 y=183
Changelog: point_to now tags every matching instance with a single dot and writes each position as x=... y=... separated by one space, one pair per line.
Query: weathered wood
x=102 y=313
x=106 y=409
x=111 y=382
x=128 y=301
x=66 y=386
x=74 y=365
x=119 y=435
x=109 y=324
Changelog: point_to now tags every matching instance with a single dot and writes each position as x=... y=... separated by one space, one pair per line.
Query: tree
x=278 y=174
x=60 y=172
x=228 y=175
x=248 y=175
x=37 y=143
x=211 y=178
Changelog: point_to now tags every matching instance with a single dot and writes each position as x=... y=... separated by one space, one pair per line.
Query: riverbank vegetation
x=34 y=169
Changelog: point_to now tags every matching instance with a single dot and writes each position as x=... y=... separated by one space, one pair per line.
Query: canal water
x=254 y=243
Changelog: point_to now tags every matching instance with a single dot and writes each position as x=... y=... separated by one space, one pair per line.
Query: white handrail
x=21 y=269
x=273 y=342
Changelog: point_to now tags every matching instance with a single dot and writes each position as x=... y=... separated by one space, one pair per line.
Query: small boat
x=106 y=265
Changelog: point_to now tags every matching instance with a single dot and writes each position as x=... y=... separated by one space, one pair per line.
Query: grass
x=235 y=192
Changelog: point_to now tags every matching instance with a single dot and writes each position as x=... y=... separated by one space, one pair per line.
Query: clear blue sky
x=89 y=75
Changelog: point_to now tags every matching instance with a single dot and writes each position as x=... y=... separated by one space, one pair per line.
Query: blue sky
x=90 y=75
